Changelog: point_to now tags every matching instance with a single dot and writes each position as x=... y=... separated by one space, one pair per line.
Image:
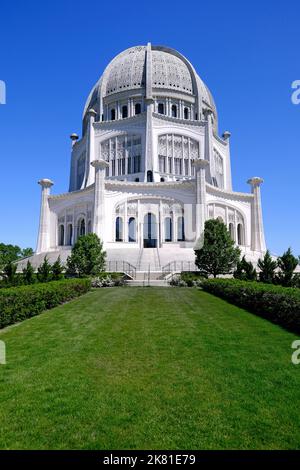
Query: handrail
x=179 y=266
x=121 y=266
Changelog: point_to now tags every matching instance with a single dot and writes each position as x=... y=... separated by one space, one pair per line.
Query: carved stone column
x=200 y=169
x=257 y=229
x=99 y=202
x=43 y=243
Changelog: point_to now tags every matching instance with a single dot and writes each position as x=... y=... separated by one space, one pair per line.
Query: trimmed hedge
x=281 y=305
x=19 y=303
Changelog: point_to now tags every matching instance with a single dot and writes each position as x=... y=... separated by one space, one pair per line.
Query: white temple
x=149 y=169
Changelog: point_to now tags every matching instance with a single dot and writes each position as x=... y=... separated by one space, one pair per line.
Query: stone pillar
x=125 y=222
x=200 y=174
x=209 y=140
x=88 y=177
x=257 y=229
x=99 y=202
x=43 y=243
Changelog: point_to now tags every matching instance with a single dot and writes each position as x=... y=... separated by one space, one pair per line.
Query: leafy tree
x=26 y=252
x=218 y=255
x=9 y=273
x=8 y=253
x=87 y=257
x=28 y=274
x=267 y=268
x=287 y=264
x=44 y=273
x=57 y=270
x=245 y=271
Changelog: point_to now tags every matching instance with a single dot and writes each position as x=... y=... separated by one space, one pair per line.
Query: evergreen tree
x=267 y=267
x=287 y=264
x=28 y=274
x=9 y=274
x=44 y=273
x=218 y=255
x=57 y=270
x=87 y=257
x=245 y=270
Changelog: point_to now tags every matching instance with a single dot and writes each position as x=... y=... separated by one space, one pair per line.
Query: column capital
x=45 y=183
x=200 y=163
x=99 y=164
x=92 y=112
x=256 y=181
x=226 y=135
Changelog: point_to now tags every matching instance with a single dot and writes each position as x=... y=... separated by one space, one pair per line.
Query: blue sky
x=52 y=53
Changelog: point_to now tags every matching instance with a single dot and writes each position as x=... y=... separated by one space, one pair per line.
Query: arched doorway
x=149 y=176
x=150 y=231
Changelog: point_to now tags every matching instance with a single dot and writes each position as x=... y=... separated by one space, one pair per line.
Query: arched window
x=89 y=227
x=61 y=235
x=162 y=179
x=161 y=108
x=70 y=235
x=81 y=228
x=168 y=229
x=150 y=231
x=180 y=229
x=132 y=230
x=240 y=234
x=174 y=110
x=119 y=229
x=112 y=114
x=149 y=176
x=124 y=112
x=137 y=108
x=231 y=230
x=186 y=113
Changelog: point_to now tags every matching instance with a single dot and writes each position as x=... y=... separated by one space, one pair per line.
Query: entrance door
x=150 y=231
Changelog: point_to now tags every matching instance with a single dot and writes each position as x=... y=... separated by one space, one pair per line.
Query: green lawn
x=148 y=368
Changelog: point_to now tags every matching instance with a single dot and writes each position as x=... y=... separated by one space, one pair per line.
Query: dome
x=127 y=71
x=164 y=68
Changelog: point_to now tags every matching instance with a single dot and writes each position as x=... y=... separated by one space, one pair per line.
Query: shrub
x=108 y=280
x=192 y=279
x=19 y=303
x=245 y=271
x=281 y=305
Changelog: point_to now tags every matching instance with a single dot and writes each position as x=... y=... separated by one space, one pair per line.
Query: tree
x=245 y=271
x=9 y=273
x=26 y=252
x=87 y=257
x=28 y=274
x=44 y=273
x=8 y=253
x=287 y=264
x=267 y=268
x=218 y=255
x=57 y=270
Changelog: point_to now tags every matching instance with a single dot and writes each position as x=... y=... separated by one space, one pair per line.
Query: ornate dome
x=163 y=67
x=126 y=71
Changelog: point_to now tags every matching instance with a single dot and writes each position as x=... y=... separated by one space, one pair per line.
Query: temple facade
x=149 y=168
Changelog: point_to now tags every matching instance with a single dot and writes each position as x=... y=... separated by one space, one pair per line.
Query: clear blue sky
x=52 y=53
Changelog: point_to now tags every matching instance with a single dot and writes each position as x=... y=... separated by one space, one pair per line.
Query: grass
x=140 y=368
